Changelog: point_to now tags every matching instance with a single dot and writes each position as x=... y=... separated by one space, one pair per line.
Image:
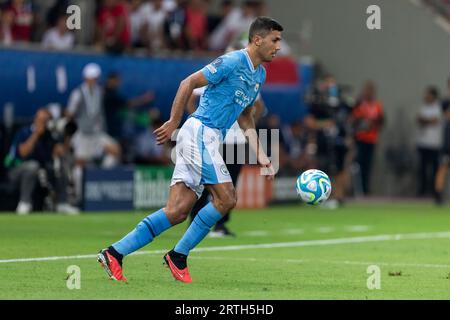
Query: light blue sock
x=144 y=233
x=199 y=228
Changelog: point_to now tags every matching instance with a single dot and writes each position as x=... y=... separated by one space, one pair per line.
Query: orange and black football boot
x=112 y=266
x=176 y=262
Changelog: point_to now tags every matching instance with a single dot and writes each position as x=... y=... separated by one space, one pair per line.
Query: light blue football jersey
x=233 y=85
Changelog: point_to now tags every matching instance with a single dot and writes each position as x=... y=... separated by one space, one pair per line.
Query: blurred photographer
x=328 y=122
x=30 y=159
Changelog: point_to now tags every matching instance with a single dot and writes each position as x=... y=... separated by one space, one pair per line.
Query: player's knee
x=233 y=202
x=226 y=203
x=176 y=214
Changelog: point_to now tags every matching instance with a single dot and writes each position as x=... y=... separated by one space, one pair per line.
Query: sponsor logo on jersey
x=242 y=99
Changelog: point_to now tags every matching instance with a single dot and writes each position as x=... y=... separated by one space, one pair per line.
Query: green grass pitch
x=292 y=263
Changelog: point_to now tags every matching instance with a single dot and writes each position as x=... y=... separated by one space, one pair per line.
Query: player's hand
x=164 y=133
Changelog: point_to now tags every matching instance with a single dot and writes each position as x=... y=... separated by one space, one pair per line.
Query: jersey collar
x=249 y=61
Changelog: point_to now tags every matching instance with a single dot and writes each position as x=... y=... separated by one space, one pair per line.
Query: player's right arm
x=193 y=100
x=213 y=73
x=185 y=89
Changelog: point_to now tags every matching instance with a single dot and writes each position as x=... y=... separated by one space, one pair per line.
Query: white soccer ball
x=313 y=186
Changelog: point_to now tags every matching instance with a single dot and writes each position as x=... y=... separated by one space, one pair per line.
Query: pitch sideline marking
x=348 y=262
x=305 y=243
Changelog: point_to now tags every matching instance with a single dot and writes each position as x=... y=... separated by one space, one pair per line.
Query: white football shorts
x=198 y=159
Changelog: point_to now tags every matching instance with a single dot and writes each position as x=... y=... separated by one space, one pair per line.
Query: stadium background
x=397 y=58
x=287 y=251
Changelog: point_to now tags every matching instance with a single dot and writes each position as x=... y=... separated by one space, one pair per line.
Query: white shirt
x=430 y=135
x=152 y=17
x=54 y=40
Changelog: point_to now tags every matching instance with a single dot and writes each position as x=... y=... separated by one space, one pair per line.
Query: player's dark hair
x=262 y=26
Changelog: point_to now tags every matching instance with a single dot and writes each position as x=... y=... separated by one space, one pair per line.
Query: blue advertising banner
x=33 y=79
x=108 y=190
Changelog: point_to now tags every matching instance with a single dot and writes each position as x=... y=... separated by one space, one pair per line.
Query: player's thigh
x=179 y=203
x=223 y=196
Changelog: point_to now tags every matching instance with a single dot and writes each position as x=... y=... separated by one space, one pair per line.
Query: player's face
x=269 y=45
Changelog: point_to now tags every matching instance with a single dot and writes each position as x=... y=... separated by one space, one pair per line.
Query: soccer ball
x=313 y=186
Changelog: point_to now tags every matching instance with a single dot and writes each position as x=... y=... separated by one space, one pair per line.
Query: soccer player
x=236 y=141
x=234 y=81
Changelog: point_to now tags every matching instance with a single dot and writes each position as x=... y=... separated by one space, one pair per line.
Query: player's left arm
x=247 y=123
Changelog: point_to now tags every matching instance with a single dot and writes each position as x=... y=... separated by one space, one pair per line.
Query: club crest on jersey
x=256 y=87
x=224 y=170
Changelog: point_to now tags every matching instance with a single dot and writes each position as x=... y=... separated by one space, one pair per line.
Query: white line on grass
x=362 y=263
x=292 y=231
x=256 y=233
x=325 y=229
x=305 y=243
x=357 y=228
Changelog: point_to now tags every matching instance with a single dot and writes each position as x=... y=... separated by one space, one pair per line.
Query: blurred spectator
x=147 y=151
x=329 y=120
x=236 y=22
x=59 y=173
x=6 y=25
x=429 y=140
x=23 y=20
x=299 y=146
x=135 y=22
x=152 y=17
x=91 y=143
x=85 y=106
x=446 y=101
x=120 y=111
x=57 y=10
x=8 y=128
x=31 y=153
x=59 y=37
x=174 y=26
x=367 y=118
x=215 y=19
x=272 y=122
x=444 y=158
x=113 y=26
x=196 y=27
